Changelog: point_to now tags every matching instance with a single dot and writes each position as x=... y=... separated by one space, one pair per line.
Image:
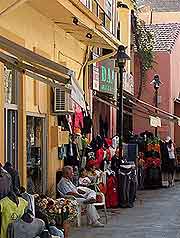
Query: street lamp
x=156 y=83
x=121 y=58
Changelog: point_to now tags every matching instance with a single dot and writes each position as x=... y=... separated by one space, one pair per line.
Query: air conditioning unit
x=62 y=101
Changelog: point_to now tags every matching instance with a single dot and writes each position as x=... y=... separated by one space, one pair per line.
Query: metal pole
x=156 y=105
x=121 y=67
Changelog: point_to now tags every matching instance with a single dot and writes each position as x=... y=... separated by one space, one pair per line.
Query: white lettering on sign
x=155 y=121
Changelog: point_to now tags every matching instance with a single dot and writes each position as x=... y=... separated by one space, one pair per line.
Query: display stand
x=152 y=164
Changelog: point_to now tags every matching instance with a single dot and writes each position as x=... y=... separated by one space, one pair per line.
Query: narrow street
x=156 y=215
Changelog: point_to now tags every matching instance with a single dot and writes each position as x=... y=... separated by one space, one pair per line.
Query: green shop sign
x=106 y=76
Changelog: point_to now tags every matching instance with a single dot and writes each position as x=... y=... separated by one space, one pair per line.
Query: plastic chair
x=101 y=204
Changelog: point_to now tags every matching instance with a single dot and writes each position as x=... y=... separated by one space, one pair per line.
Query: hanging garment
x=112 y=199
x=115 y=164
x=83 y=162
x=10 y=212
x=126 y=186
x=69 y=123
x=72 y=158
x=112 y=151
x=5 y=183
x=87 y=122
x=108 y=154
x=99 y=157
x=123 y=180
x=31 y=202
x=22 y=229
x=78 y=119
x=79 y=143
x=115 y=142
x=15 y=177
x=96 y=143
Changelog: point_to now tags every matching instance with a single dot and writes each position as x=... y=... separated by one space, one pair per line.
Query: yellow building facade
x=62 y=31
x=124 y=20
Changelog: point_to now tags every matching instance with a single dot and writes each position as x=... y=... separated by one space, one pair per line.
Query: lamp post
x=156 y=83
x=121 y=58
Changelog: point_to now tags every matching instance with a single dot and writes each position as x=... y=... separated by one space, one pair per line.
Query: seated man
x=84 y=196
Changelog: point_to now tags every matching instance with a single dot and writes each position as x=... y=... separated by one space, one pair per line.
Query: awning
x=88 y=36
x=34 y=65
x=70 y=17
x=139 y=106
x=144 y=105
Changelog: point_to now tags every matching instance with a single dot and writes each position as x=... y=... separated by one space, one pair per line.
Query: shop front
x=104 y=87
x=26 y=137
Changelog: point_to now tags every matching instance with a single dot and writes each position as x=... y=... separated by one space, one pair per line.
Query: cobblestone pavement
x=156 y=215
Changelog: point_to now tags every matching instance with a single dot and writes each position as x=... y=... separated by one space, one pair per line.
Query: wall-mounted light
x=75 y=21
x=89 y=35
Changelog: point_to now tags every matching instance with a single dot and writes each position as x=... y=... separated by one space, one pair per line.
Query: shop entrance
x=36 y=155
x=101 y=119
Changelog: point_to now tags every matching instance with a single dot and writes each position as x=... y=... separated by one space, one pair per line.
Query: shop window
x=109 y=8
x=10 y=85
x=36 y=159
x=108 y=23
x=87 y=3
x=102 y=16
x=95 y=7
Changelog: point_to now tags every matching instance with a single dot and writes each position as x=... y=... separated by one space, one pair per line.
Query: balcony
x=103 y=10
x=77 y=20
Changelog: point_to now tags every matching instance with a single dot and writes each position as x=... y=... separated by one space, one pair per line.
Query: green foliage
x=144 y=41
x=134 y=4
x=145 y=44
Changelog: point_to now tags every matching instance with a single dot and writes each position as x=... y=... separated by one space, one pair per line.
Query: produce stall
x=152 y=165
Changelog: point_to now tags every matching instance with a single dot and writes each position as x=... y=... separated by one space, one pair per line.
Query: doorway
x=36 y=155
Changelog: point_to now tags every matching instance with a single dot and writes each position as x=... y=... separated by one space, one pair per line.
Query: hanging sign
x=103 y=76
x=107 y=76
x=155 y=121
